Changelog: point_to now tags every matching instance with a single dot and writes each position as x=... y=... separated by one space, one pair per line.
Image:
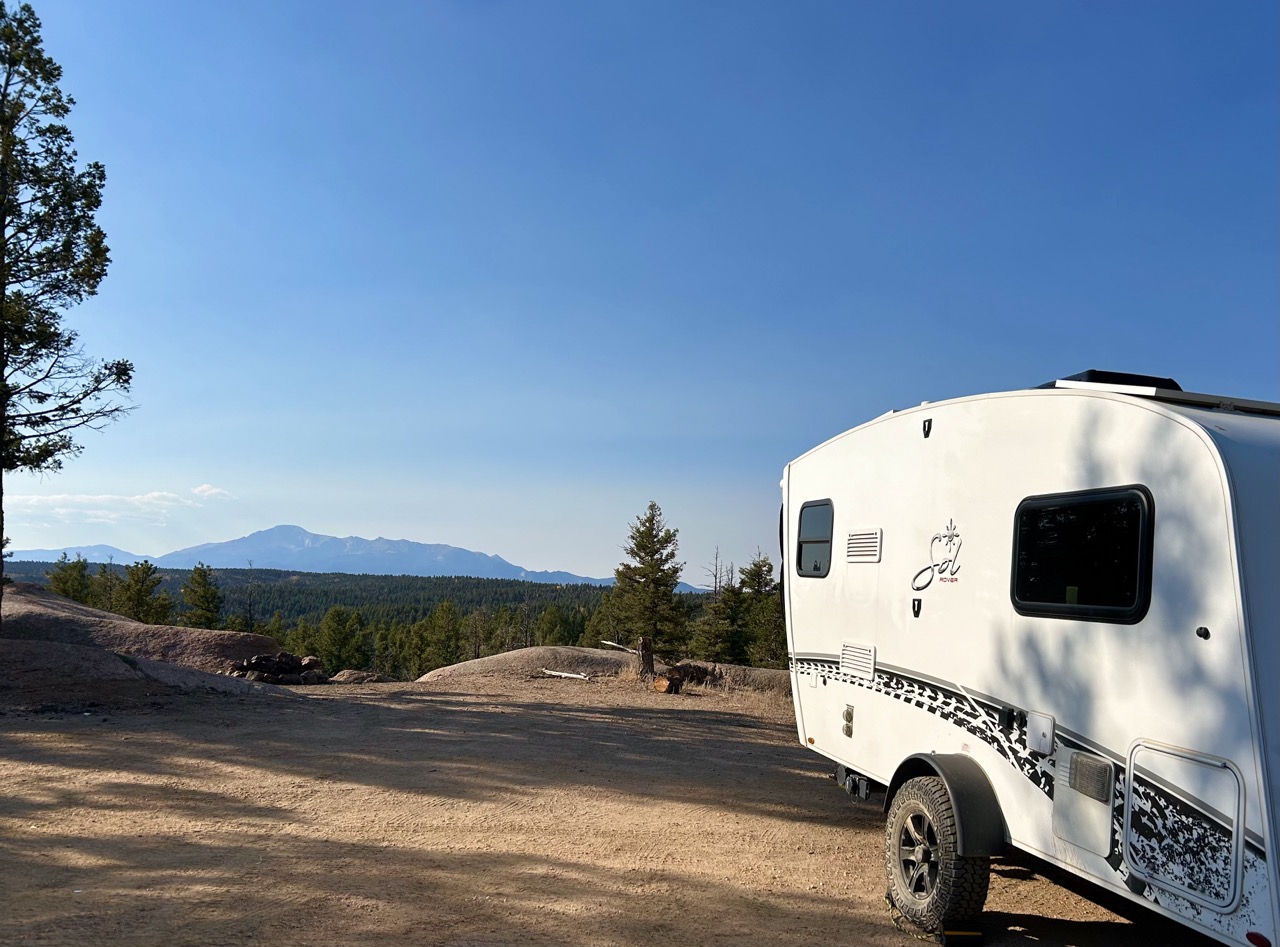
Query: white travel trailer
x=1048 y=619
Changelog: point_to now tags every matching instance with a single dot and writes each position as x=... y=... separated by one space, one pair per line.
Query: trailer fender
x=980 y=826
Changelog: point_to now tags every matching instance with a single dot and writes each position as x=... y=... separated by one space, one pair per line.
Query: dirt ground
x=144 y=801
x=499 y=810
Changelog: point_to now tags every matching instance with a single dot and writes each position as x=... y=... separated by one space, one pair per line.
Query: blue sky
x=496 y=274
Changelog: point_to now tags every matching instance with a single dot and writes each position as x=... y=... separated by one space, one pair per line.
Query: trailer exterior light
x=1258 y=940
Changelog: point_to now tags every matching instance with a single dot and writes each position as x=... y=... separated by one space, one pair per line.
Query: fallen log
x=620 y=647
x=581 y=677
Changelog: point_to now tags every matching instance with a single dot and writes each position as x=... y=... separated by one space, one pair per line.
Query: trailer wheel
x=929 y=882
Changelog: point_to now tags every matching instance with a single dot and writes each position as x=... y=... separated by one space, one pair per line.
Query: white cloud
x=207 y=491
x=151 y=508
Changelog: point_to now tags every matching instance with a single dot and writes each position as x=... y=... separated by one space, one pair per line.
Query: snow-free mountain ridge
x=292 y=548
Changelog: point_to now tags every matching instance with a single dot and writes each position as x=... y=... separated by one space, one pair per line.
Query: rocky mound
x=57 y=653
x=53 y=675
x=33 y=613
x=528 y=662
x=748 y=678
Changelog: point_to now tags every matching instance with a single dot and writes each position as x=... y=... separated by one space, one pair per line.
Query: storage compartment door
x=1184 y=822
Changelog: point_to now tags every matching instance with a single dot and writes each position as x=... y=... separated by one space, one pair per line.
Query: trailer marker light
x=1258 y=940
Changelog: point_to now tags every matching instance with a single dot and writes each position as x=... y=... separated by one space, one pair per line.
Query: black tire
x=932 y=885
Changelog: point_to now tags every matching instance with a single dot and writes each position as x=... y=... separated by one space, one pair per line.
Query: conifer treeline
x=255 y=595
x=404 y=626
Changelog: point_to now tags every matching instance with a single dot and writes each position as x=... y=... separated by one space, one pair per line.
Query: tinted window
x=1084 y=555
x=813 y=546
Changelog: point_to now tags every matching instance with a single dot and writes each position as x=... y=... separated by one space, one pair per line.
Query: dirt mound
x=35 y=614
x=768 y=680
x=528 y=662
x=51 y=674
x=57 y=652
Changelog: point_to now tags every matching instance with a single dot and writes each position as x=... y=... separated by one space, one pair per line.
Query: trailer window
x=1084 y=555
x=813 y=547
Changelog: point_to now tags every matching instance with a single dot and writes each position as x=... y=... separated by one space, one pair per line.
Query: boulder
x=279 y=668
x=359 y=677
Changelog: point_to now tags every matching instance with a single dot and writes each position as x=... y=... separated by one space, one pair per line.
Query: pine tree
x=644 y=603
x=104 y=588
x=274 y=628
x=203 y=598
x=342 y=642
x=70 y=578
x=712 y=634
x=602 y=625
x=302 y=639
x=444 y=642
x=138 y=597
x=477 y=632
x=389 y=650
x=52 y=257
x=551 y=628
x=762 y=615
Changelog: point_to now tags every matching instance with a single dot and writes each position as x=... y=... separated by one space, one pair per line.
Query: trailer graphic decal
x=1174 y=837
x=980 y=718
x=1173 y=840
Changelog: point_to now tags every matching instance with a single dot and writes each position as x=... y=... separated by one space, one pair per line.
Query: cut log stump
x=669 y=683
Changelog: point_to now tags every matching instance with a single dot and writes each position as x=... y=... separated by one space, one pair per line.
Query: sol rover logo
x=944 y=556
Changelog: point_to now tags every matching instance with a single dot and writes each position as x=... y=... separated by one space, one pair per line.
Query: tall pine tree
x=762 y=615
x=70 y=578
x=644 y=602
x=140 y=597
x=52 y=256
x=203 y=598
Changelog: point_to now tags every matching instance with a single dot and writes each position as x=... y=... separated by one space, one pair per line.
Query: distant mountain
x=91 y=553
x=294 y=549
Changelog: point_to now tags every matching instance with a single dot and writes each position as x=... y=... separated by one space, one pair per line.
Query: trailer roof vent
x=858 y=660
x=863 y=545
x=1161 y=389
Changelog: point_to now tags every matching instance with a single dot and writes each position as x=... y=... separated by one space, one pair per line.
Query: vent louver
x=858 y=660
x=1090 y=776
x=864 y=545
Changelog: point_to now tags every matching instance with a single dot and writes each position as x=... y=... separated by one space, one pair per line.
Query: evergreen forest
x=404 y=626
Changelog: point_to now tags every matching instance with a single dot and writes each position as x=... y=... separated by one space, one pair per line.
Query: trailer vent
x=864 y=545
x=1091 y=776
x=858 y=660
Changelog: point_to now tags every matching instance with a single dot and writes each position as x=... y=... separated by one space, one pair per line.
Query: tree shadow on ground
x=238 y=865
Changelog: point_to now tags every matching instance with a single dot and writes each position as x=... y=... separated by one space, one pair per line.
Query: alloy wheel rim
x=918 y=855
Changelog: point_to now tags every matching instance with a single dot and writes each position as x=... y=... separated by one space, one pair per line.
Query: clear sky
x=496 y=274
